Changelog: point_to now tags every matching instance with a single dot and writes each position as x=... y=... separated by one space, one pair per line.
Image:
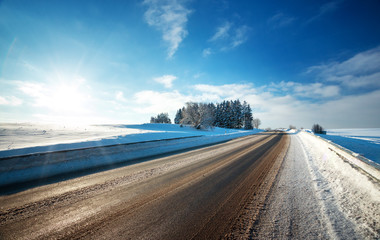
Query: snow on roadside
x=340 y=183
x=368 y=134
x=363 y=141
x=21 y=139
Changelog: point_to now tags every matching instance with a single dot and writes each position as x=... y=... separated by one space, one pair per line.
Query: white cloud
x=229 y=36
x=198 y=75
x=170 y=17
x=34 y=90
x=361 y=70
x=272 y=110
x=280 y=110
x=10 y=101
x=222 y=32
x=153 y=102
x=280 y=20
x=312 y=90
x=66 y=101
x=324 y=9
x=277 y=105
x=227 y=91
x=30 y=67
x=166 y=80
x=357 y=110
x=206 y=52
x=316 y=90
x=3 y=101
x=240 y=36
x=120 y=96
x=66 y=98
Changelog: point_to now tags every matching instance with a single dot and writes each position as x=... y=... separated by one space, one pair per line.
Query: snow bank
x=21 y=139
x=40 y=162
x=23 y=135
x=363 y=141
x=346 y=181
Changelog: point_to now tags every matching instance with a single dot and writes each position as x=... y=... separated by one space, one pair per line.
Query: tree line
x=228 y=114
x=318 y=129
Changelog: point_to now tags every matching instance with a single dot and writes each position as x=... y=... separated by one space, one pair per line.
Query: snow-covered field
x=19 y=139
x=363 y=141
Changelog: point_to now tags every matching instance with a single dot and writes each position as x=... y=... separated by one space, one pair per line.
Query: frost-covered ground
x=321 y=195
x=18 y=139
x=364 y=141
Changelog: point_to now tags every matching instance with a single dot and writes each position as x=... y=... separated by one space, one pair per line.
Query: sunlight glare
x=68 y=101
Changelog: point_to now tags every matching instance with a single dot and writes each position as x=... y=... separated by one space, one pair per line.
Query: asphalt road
x=209 y=193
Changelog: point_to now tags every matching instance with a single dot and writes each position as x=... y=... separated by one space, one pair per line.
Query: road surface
x=208 y=193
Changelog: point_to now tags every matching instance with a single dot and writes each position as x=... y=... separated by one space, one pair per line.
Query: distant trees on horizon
x=161 y=118
x=256 y=122
x=228 y=114
x=318 y=129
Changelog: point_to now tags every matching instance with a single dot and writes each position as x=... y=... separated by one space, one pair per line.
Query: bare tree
x=256 y=122
x=206 y=114
x=200 y=115
x=191 y=114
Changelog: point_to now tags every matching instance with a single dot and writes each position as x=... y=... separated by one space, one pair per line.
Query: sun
x=68 y=101
x=67 y=98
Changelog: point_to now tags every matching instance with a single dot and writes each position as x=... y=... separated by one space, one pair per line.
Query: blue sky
x=295 y=62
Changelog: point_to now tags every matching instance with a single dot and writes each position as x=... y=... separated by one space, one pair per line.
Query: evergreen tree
x=217 y=115
x=247 y=116
x=222 y=115
x=238 y=120
x=227 y=114
x=178 y=116
x=317 y=129
x=233 y=114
